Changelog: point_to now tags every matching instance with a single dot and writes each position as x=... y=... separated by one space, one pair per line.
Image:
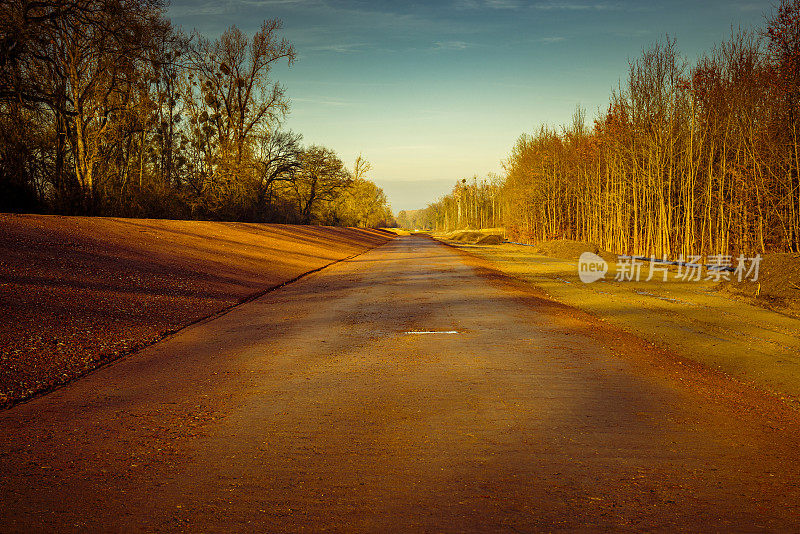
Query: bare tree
x=235 y=97
x=277 y=159
x=321 y=178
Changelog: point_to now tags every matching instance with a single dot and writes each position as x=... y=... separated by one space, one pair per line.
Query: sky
x=432 y=92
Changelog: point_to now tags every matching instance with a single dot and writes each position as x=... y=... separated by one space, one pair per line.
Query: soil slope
x=76 y=292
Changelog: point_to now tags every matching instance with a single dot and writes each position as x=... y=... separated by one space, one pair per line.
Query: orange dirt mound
x=569 y=249
x=778 y=282
x=473 y=237
x=491 y=239
x=77 y=292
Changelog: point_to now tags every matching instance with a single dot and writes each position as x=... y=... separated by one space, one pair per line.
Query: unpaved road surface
x=312 y=409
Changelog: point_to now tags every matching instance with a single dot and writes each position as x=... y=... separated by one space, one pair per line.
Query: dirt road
x=313 y=409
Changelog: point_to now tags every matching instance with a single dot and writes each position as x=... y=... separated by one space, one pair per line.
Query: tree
x=783 y=33
x=76 y=63
x=232 y=98
x=277 y=159
x=320 y=179
x=361 y=203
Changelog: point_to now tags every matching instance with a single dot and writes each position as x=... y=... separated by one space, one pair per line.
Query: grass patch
x=693 y=319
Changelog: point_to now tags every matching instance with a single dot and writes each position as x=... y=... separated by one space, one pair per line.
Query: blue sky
x=431 y=92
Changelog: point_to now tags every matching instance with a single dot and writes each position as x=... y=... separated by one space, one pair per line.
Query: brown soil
x=466 y=236
x=78 y=292
x=478 y=237
x=492 y=239
x=568 y=249
x=778 y=283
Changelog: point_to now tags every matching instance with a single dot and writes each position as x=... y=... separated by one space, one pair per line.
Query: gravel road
x=322 y=406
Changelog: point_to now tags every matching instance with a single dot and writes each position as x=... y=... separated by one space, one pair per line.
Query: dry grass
x=692 y=319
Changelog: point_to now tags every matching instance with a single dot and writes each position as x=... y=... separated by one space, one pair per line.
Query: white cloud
x=577 y=6
x=490 y=4
x=451 y=45
x=551 y=40
x=198 y=9
x=322 y=101
x=502 y=4
x=340 y=48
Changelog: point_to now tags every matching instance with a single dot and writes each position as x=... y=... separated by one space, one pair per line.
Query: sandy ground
x=693 y=319
x=314 y=409
x=76 y=292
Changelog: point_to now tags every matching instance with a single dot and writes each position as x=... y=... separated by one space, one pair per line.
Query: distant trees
x=320 y=179
x=107 y=109
x=413 y=219
x=698 y=159
x=325 y=191
x=473 y=203
x=364 y=204
x=682 y=162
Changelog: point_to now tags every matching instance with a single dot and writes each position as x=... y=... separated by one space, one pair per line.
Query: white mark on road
x=433 y=332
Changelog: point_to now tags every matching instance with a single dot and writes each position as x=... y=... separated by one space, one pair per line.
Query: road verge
x=80 y=292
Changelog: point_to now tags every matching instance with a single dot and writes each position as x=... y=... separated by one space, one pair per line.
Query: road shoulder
x=728 y=348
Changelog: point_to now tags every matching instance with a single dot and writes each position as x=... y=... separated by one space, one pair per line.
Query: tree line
x=700 y=158
x=473 y=203
x=107 y=109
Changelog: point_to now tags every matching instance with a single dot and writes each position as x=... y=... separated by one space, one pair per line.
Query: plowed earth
x=77 y=292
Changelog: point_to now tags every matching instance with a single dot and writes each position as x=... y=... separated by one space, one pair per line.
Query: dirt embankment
x=77 y=292
x=558 y=248
x=474 y=237
x=569 y=249
x=777 y=285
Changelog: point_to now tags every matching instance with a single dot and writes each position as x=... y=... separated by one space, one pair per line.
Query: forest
x=107 y=109
x=687 y=159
